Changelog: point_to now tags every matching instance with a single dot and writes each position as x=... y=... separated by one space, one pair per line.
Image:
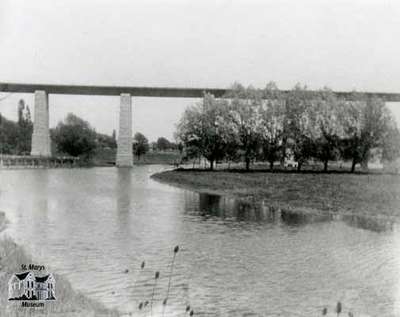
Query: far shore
x=372 y=195
x=69 y=302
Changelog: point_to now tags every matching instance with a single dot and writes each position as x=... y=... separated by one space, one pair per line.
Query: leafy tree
x=75 y=137
x=140 y=145
x=391 y=144
x=327 y=132
x=21 y=108
x=15 y=137
x=163 y=144
x=364 y=124
x=25 y=129
x=272 y=118
x=244 y=115
x=8 y=136
x=180 y=147
x=202 y=129
x=106 y=141
x=153 y=146
x=298 y=127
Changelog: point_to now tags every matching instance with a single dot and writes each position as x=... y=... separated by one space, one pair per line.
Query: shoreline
x=69 y=301
x=299 y=193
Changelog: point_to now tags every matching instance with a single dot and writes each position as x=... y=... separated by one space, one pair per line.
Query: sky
x=342 y=44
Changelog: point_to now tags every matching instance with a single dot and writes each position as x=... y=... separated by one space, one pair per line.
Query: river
x=95 y=226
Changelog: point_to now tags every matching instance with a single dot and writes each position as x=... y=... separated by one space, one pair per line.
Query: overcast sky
x=345 y=45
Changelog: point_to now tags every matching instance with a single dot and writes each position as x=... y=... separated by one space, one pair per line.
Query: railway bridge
x=41 y=134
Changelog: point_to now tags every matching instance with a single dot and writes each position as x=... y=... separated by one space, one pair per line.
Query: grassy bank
x=68 y=303
x=375 y=195
x=106 y=157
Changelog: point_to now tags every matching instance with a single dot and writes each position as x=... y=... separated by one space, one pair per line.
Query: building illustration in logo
x=27 y=286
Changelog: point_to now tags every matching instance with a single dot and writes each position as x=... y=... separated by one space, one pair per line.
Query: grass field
x=372 y=194
x=68 y=303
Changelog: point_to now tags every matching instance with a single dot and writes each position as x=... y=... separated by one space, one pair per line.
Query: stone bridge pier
x=124 y=144
x=41 y=134
x=41 y=145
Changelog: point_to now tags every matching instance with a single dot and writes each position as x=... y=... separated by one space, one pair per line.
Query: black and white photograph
x=178 y=158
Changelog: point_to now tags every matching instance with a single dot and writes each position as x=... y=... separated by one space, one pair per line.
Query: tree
x=25 y=129
x=364 y=124
x=140 y=145
x=391 y=143
x=21 y=108
x=271 y=128
x=203 y=130
x=163 y=144
x=298 y=127
x=106 y=141
x=244 y=116
x=75 y=137
x=328 y=129
x=8 y=136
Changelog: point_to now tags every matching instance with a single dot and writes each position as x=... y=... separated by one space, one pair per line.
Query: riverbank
x=106 y=157
x=373 y=195
x=68 y=303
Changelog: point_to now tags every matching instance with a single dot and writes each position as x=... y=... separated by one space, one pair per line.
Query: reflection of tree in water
x=252 y=210
x=293 y=218
x=210 y=205
x=368 y=223
x=248 y=211
x=238 y=209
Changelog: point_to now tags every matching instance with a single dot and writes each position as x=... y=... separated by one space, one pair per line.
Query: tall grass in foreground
x=186 y=310
x=176 y=249
x=338 y=310
x=142 y=265
x=156 y=276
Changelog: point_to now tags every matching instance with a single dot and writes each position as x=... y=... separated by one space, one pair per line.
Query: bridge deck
x=152 y=91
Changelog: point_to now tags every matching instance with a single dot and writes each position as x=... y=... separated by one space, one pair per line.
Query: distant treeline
x=263 y=124
x=73 y=137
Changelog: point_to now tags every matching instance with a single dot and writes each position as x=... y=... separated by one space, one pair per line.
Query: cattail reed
x=136 y=279
x=156 y=276
x=338 y=308
x=176 y=250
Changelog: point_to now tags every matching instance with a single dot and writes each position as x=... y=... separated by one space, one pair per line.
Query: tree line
x=249 y=124
x=73 y=137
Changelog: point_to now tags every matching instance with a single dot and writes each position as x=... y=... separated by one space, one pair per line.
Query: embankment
x=69 y=303
x=373 y=195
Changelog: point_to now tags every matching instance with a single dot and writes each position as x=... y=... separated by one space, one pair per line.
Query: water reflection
x=369 y=223
x=232 y=209
x=250 y=210
x=123 y=190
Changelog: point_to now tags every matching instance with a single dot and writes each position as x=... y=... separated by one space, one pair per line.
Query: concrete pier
x=41 y=134
x=124 y=150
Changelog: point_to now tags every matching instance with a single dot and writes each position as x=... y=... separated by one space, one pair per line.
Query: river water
x=95 y=227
